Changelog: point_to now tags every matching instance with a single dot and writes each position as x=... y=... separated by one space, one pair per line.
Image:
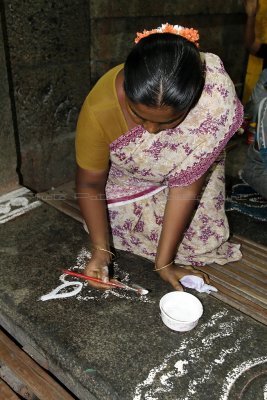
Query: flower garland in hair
x=188 y=33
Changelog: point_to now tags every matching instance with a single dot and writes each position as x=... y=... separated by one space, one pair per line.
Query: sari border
x=130 y=136
x=194 y=172
x=132 y=198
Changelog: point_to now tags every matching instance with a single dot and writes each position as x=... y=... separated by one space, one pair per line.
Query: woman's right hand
x=97 y=267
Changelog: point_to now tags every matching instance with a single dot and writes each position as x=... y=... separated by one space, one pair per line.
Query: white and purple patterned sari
x=144 y=166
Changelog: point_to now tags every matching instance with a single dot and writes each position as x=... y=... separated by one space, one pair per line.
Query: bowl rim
x=179 y=320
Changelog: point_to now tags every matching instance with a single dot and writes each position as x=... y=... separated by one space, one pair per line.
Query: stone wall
x=220 y=24
x=59 y=48
x=49 y=45
x=8 y=154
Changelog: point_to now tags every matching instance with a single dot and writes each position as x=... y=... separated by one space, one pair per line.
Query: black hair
x=164 y=69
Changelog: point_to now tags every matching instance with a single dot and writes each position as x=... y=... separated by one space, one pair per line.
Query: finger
x=99 y=274
x=199 y=273
x=94 y=271
x=176 y=285
x=104 y=274
x=98 y=285
x=204 y=276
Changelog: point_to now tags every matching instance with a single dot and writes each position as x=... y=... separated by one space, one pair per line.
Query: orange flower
x=144 y=34
x=188 y=33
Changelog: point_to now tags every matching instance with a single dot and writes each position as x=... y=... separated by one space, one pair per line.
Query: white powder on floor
x=19 y=202
x=19 y=211
x=5 y=208
x=180 y=367
x=191 y=352
x=90 y=294
x=14 y=204
x=237 y=372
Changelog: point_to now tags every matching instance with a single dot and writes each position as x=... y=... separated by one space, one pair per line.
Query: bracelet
x=165 y=266
x=107 y=251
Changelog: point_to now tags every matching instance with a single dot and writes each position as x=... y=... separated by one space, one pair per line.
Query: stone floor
x=113 y=345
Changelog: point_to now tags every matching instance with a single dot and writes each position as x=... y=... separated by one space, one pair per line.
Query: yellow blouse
x=100 y=122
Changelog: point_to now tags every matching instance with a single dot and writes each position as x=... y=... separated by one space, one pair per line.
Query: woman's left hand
x=173 y=273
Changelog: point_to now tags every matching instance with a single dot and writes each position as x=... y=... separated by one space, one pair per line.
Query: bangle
x=165 y=266
x=107 y=251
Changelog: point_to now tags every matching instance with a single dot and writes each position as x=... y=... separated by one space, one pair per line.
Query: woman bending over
x=150 y=152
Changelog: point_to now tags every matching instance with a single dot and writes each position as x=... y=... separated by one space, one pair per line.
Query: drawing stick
x=93 y=279
x=118 y=285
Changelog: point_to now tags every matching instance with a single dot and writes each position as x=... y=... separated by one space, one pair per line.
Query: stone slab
x=47 y=31
x=113 y=345
x=8 y=154
x=137 y=8
x=48 y=101
x=49 y=48
x=113 y=38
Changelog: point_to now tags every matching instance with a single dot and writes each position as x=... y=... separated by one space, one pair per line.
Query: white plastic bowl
x=180 y=311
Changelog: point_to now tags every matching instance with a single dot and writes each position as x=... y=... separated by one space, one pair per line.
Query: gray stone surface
x=113 y=345
x=47 y=31
x=49 y=100
x=140 y=8
x=8 y=157
x=114 y=26
x=58 y=49
x=49 y=44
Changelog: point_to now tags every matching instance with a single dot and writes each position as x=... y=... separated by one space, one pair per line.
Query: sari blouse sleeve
x=92 y=149
x=209 y=126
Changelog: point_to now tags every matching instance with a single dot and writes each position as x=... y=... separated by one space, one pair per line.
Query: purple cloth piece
x=195 y=282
